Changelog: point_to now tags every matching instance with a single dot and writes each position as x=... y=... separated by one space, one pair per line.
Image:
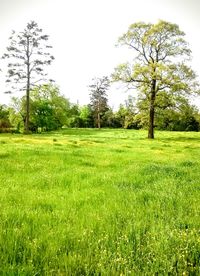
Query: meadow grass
x=108 y=202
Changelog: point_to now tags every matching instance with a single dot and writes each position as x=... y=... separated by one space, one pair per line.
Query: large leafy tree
x=49 y=110
x=99 y=98
x=159 y=70
x=28 y=52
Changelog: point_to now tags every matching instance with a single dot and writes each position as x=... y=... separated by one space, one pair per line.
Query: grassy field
x=108 y=202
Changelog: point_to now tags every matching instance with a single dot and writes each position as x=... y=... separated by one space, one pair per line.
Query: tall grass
x=108 y=202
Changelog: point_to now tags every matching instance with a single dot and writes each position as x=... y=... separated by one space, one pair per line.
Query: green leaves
x=155 y=42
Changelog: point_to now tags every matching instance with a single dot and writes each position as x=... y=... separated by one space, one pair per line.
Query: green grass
x=108 y=202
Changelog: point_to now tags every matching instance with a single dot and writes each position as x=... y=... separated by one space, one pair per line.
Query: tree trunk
x=27 y=90
x=152 y=111
x=98 y=120
x=27 y=108
x=98 y=116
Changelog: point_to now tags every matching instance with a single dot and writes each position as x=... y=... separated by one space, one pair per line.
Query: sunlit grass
x=108 y=202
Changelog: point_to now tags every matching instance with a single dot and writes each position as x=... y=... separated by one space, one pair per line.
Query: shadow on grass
x=179 y=139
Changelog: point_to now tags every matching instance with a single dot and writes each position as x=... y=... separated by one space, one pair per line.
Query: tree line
x=158 y=70
x=49 y=110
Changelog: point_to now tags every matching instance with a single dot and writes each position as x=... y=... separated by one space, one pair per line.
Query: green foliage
x=182 y=118
x=133 y=210
x=49 y=109
x=17 y=113
x=175 y=114
x=74 y=119
x=128 y=114
x=5 y=124
x=86 y=117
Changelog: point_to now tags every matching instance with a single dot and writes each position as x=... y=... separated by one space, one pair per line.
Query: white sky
x=83 y=34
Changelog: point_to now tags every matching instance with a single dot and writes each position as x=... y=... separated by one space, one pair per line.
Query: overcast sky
x=83 y=34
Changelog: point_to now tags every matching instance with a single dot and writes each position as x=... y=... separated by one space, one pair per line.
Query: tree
x=49 y=110
x=4 y=119
x=159 y=70
x=127 y=114
x=17 y=113
x=86 y=116
x=28 y=52
x=98 y=98
x=184 y=117
x=74 y=116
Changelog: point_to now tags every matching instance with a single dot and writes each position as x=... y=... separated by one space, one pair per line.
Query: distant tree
x=74 y=119
x=17 y=113
x=98 y=98
x=157 y=72
x=49 y=110
x=184 y=117
x=28 y=53
x=127 y=114
x=131 y=118
x=86 y=116
x=4 y=119
x=121 y=115
x=109 y=119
